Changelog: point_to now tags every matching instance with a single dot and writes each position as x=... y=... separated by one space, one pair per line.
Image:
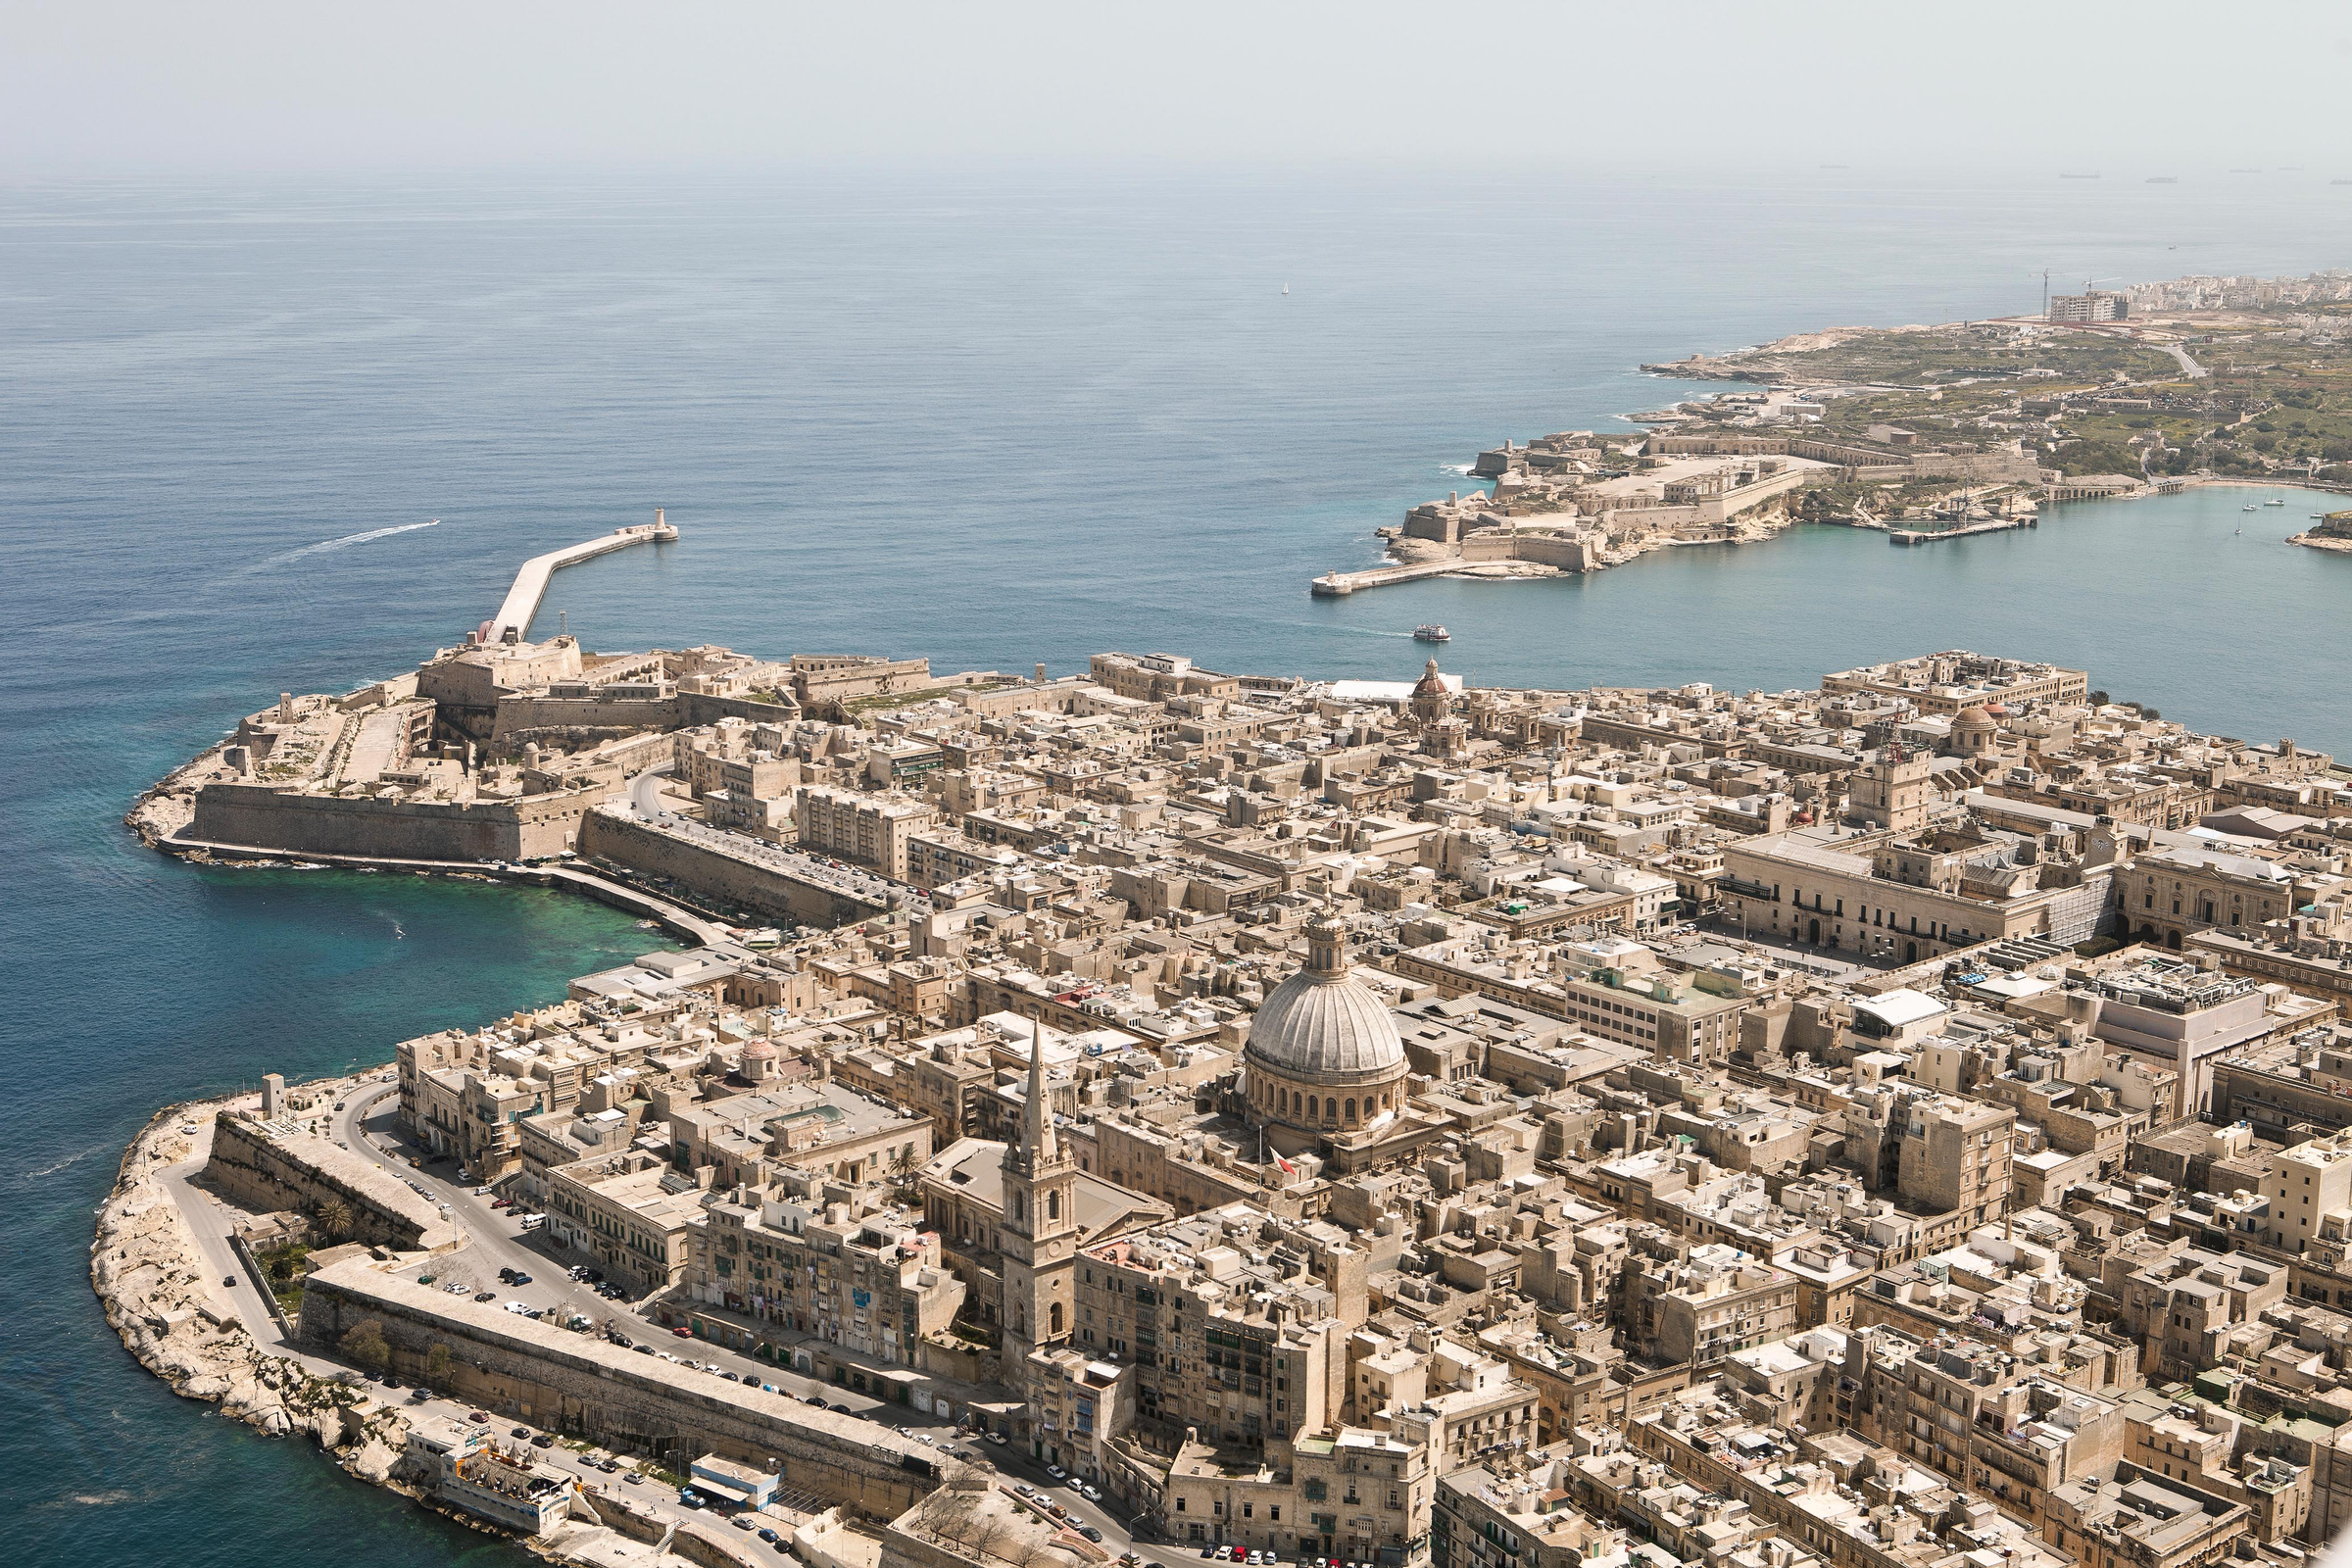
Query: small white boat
x=2280 y=501
x=1285 y=288
x=2249 y=507
x=1432 y=633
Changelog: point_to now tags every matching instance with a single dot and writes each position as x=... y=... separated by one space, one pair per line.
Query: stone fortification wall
x=519 y=715
x=715 y=875
x=1977 y=467
x=263 y=817
x=605 y=1393
x=265 y=1171
x=701 y=708
x=1553 y=550
x=520 y=719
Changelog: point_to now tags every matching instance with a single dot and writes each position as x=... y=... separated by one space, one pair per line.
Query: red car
x=683 y=1333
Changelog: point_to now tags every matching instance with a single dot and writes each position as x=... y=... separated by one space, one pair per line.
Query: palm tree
x=334 y=1219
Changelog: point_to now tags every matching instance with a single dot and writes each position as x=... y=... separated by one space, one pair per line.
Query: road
x=494 y=1239
x=2189 y=366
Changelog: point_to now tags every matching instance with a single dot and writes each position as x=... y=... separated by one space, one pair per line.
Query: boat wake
x=344 y=543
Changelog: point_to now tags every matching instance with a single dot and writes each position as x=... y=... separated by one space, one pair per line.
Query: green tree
x=334 y=1219
x=364 y=1345
x=436 y=1365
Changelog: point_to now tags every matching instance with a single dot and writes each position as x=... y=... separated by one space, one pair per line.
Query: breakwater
x=514 y=617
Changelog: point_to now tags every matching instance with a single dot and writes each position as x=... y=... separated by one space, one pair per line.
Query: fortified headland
x=1923 y=434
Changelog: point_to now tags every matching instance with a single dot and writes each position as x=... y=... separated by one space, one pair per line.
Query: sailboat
x=1285 y=288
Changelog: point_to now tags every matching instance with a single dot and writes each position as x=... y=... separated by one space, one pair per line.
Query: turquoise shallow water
x=988 y=418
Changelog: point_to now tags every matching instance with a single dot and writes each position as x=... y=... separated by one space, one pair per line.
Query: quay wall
x=265 y=1171
x=605 y=1393
x=264 y=817
x=716 y=875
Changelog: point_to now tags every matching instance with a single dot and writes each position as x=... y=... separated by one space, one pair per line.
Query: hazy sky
x=85 y=84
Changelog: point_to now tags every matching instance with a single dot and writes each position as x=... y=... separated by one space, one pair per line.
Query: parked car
x=519 y=1431
x=485 y=1295
x=744 y=1521
x=1056 y=1472
x=1090 y=1532
x=480 y=1417
x=545 y=1440
x=642 y=1350
x=817 y=1399
x=683 y=1333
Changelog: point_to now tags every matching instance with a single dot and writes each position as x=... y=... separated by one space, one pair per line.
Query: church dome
x=1973 y=716
x=1321 y=1025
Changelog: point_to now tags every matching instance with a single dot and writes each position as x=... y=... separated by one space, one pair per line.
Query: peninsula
x=1924 y=433
x=1155 y=1112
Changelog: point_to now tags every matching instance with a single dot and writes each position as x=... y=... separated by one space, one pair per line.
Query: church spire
x=1037 y=1118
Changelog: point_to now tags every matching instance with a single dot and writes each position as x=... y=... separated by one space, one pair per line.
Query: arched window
x=1054 y=1211
x=1057 y=1317
x=1311 y=1112
x=1352 y=1110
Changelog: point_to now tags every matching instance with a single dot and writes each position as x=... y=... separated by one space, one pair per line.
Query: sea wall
x=151 y=1279
x=263 y=817
x=609 y=1394
x=266 y=1170
x=717 y=876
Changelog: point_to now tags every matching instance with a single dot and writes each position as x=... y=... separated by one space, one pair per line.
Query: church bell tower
x=1040 y=1238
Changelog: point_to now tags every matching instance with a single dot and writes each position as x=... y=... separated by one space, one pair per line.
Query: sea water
x=993 y=420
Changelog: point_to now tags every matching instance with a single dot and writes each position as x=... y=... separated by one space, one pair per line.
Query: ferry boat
x=1432 y=633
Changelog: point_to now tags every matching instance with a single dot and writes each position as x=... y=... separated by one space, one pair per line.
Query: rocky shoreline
x=150 y=1277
